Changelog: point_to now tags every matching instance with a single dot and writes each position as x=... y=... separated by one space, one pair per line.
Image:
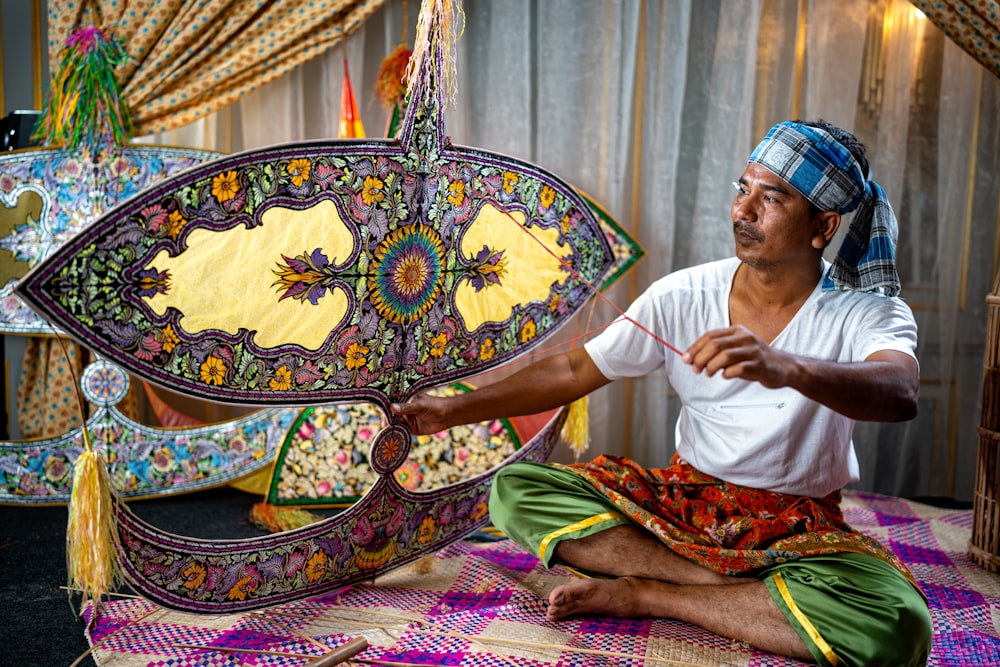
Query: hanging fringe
x=576 y=429
x=278 y=519
x=91 y=535
x=390 y=86
x=85 y=107
x=436 y=34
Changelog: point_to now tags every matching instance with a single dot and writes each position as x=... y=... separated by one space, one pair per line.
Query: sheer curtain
x=651 y=108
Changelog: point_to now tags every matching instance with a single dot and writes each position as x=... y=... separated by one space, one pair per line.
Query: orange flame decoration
x=350 y=119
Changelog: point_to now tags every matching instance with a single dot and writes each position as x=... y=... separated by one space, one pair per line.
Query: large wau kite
x=312 y=273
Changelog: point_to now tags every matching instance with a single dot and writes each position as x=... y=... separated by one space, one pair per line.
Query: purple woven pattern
x=482 y=604
x=964 y=598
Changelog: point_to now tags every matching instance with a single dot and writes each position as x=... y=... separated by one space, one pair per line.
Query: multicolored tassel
x=85 y=107
x=436 y=35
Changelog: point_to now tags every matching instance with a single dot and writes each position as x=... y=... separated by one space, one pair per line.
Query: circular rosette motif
x=390 y=449
x=104 y=384
x=407 y=273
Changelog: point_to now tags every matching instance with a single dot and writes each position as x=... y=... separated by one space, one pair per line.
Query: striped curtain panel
x=972 y=24
x=190 y=58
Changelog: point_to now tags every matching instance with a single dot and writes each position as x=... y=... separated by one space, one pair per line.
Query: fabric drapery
x=972 y=24
x=189 y=58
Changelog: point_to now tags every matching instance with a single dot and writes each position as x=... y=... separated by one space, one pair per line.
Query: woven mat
x=480 y=604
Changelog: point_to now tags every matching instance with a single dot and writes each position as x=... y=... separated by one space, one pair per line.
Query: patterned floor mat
x=480 y=604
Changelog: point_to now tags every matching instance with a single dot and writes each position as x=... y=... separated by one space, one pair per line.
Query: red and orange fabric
x=725 y=527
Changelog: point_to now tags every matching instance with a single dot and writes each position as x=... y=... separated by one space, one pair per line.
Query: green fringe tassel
x=85 y=107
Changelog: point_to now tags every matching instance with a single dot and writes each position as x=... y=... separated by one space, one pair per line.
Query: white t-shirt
x=741 y=431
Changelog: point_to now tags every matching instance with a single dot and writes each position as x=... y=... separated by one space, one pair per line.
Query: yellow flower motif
x=528 y=331
x=56 y=468
x=317 y=566
x=213 y=371
x=282 y=380
x=510 y=179
x=194 y=576
x=243 y=588
x=170 y=339
x=225 y=186
x=565 y=223
x=457 y=190
x=554 y=303
x=487 y=350
x=163 y=459
x=372 y=192
x=298 y=169
x=547 y=196
x=426 y=530
x=357 y=356
x=175 y=223
x=438 y=344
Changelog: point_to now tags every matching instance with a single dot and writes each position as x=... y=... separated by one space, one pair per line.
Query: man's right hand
x=424 y=414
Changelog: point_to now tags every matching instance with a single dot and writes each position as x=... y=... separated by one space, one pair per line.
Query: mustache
x=740 y=227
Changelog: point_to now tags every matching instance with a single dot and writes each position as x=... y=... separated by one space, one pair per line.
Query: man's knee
x=499 y=511
x=854 y=610
x=906 y=642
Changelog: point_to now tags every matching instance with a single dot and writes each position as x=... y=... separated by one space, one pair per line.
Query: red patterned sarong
x=724 y=527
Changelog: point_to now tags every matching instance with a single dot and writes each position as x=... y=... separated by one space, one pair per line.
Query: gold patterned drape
x=190 y=58
x=972 y=24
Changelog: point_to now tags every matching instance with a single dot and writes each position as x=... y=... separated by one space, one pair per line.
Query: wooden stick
x=392 y=663
x=341 y=653
x=224 y=649
x=335 y=657
x=110 y=594
x=500 y=640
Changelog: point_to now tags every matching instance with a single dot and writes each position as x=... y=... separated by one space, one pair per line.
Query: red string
x=569 y=268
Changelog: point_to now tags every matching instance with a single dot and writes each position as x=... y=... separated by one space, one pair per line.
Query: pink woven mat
x=480 y=604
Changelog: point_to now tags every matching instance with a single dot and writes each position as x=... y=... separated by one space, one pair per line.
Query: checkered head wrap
x=825 y=172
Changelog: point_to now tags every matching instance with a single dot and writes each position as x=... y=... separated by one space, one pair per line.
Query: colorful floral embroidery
x=407 y=273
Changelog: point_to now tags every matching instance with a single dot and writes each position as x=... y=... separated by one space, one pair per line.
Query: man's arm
x=545 y=384
x=885 y=387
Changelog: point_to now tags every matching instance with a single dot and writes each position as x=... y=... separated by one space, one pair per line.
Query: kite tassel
x=91 y=533
x=576 y=429
x=277 y=519
x=86 y=107
x=390 y=86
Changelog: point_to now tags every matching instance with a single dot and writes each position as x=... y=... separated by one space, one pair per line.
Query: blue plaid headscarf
x=825 y=172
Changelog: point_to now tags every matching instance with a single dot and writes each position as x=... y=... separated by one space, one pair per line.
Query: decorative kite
x=324 y=272
x=48 y=195
x=143 y=461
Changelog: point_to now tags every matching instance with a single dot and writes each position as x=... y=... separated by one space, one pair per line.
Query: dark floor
x=39 y=623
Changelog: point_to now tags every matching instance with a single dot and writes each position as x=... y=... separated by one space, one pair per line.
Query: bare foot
x=620 y=597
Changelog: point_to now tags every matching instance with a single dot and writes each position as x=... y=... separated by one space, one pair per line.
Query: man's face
x=771 y=220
